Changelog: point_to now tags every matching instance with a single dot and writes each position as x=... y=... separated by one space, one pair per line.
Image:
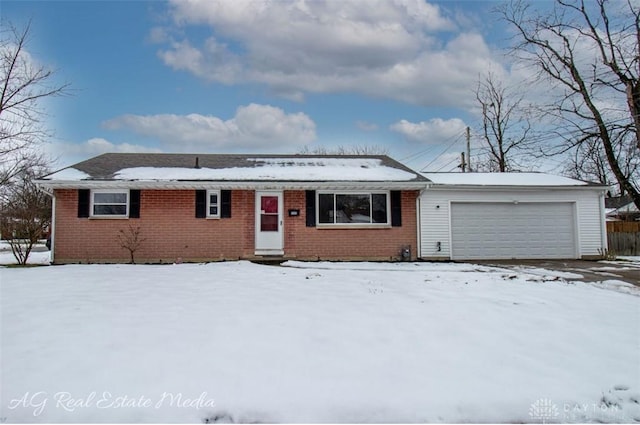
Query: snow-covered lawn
x=39 y=256
x=315 y=342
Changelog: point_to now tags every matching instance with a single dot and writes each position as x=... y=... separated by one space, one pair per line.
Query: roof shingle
x=158 y=167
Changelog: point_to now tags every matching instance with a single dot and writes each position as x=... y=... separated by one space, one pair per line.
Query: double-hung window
x=353 y=208
x=109 y=203
x=213 y=203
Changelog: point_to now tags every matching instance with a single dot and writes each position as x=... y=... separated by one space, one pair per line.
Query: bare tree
x=505 y=125
x=26 y=213
x=345 y=150
x=588 y=52
x=131 y=239
x=24 y=84
x=589 y=162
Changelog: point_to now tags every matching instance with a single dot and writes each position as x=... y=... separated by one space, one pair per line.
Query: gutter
x=441 y=186
x=50 y=185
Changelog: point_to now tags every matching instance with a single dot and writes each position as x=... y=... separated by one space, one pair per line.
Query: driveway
x=591 y=271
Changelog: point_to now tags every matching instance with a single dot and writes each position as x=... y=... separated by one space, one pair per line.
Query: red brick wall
x=353 y=244
x=167 y=221
x=172 y=233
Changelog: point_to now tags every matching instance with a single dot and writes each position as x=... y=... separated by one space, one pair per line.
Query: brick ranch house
x=191 y=208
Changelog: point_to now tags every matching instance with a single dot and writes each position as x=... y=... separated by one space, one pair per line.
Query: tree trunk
x=633 y=98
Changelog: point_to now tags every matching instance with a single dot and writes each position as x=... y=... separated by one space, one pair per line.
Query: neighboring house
x=510 y=215
x=621 y=208
x=223 y=207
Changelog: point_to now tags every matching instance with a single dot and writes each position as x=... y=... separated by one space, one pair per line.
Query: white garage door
x=508 y=230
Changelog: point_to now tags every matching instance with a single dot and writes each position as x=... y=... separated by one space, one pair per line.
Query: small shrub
x=131 y=240
x=607 y=255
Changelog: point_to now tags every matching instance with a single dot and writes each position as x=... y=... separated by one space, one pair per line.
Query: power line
x=532 y=140
x=421 y=153
x=457 y=140
x=566 y=137
x=447 y=164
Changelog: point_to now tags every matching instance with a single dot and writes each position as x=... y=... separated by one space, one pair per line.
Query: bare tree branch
x=26 y=213
x=345 y=150
x=504 y=124
x=589 y=55
x=23 y=85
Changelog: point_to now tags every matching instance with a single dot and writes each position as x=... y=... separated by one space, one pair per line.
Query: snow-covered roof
x=369 y=170
x=502 y=179
x=158 y=168
x=69 y=173
x=629 y=208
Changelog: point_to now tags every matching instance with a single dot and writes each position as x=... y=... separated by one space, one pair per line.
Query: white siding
x=435 y=216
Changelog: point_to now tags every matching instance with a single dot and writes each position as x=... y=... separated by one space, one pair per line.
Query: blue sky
x=264 y=77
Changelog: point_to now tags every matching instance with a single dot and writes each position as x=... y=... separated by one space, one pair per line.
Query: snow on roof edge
x=68 y=173
x=369 y=171
x=510 y=179
x=331 y=172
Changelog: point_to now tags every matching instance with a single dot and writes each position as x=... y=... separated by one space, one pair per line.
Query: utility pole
x=468 y=149
x=463 y=164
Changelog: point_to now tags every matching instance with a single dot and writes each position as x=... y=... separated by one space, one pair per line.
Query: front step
x=269 y=260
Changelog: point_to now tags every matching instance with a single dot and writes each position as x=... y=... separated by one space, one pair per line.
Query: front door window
x=269 y=214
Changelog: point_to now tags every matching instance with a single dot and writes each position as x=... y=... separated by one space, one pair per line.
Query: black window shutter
x=311 y=208
x=396 y=208
x=225 y=204
x=134 y=204
x=201 y=203
x=84 y=203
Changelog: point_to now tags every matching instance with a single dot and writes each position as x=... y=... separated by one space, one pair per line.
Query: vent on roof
x=197 y=162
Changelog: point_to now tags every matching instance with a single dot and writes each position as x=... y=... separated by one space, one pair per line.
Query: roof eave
x=238 y=185
x=519 y=187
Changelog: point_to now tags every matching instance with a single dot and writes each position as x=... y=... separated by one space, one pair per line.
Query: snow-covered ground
x=629 y=260
x=315 y=342
x=40 y=255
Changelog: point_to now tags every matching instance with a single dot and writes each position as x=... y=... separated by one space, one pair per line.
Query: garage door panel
x=509 y=230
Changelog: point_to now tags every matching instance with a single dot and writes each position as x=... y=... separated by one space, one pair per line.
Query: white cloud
x=366 y=126
x=253 y=126
x=213 y=61
x=382 y=48
x=434 y=131
x=69 y=153
x=158 y=35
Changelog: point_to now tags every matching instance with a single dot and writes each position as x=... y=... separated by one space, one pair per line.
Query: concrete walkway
x=592 y=271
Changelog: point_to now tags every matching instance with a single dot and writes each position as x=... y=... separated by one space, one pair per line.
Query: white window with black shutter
x=108 y=203
x=213 y=204
x=353 y=208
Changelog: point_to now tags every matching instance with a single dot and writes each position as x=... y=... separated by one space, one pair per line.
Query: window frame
x=370 y=193
x=92 y=203
x=218 y=193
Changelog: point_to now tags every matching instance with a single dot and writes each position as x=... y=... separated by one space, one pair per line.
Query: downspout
x=51 y=192
x=603 y=226
x=419 y=222
x=53 y=227
x=418 y=228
